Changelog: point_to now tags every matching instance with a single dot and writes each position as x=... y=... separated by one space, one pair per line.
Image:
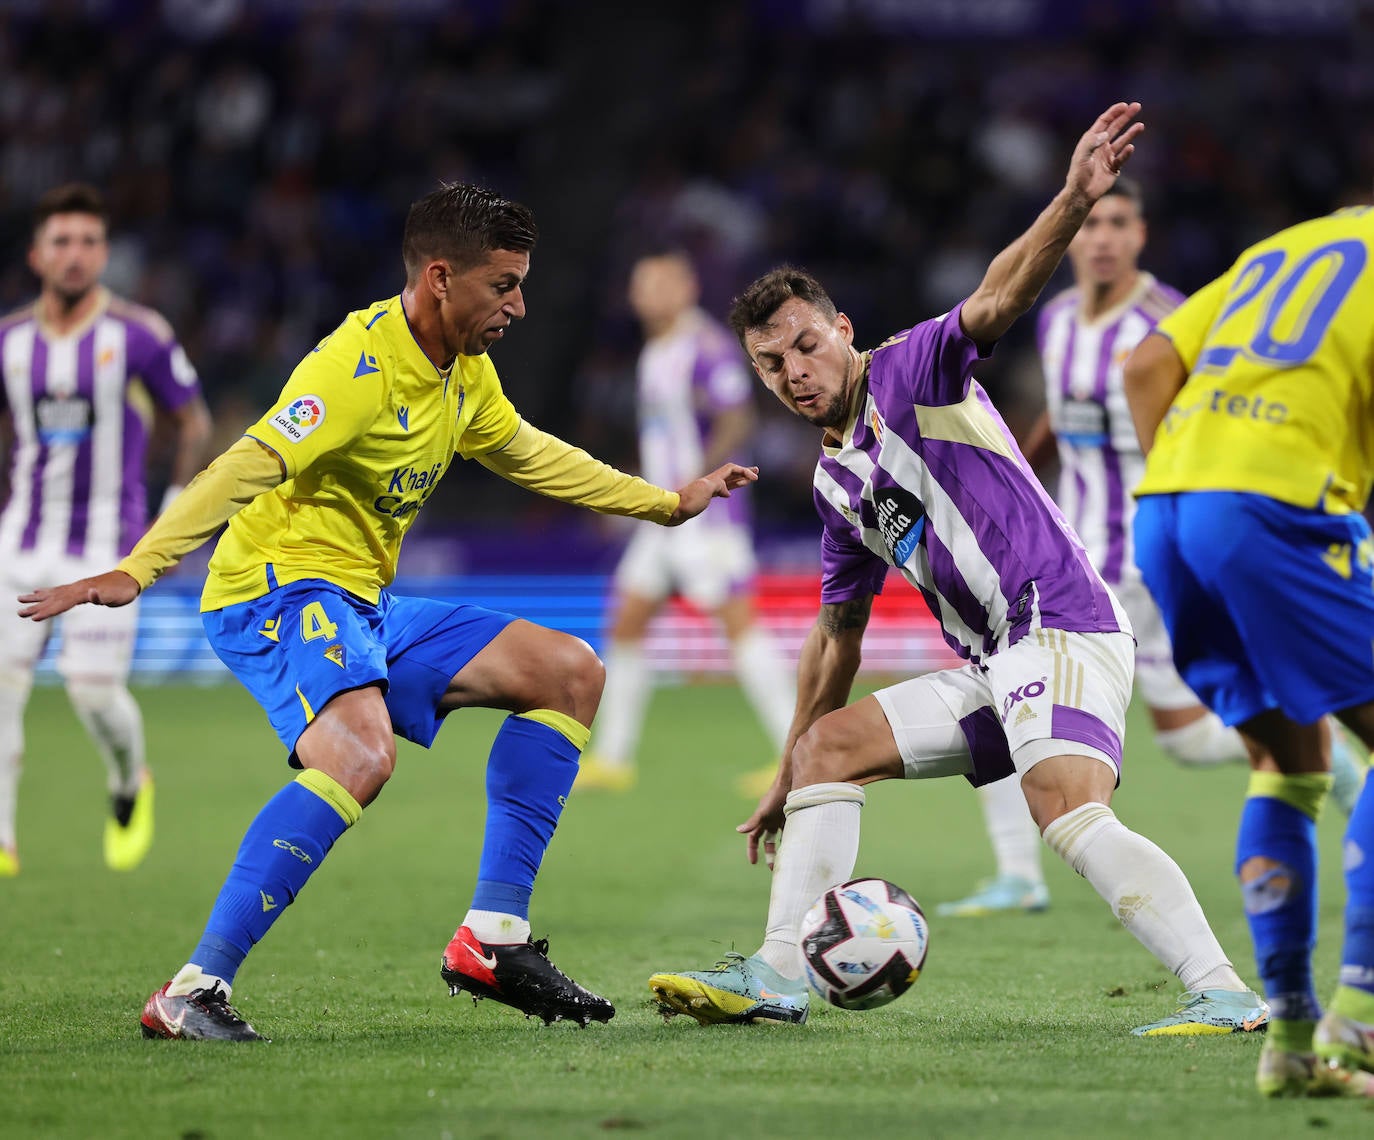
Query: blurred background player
x=84 y=372
x=1084 y=336
x=695 y=408
x=1254 y=401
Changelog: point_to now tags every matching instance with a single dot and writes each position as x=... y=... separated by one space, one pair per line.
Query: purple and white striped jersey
x=685 y=378
x=1099 y=454
x=82 y=406
x=928 y=479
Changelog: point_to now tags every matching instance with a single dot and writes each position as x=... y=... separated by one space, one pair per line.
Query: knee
x=87 y=692
x=361 y=759
x=370 y=765
x=1059 y=785
x=821 y=755
x=575 y=677
x=97 y=698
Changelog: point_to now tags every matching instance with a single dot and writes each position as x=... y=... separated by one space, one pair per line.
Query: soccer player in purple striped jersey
x=1085 y=334
x=695 y=404
x=918 y=471
x=83 y=373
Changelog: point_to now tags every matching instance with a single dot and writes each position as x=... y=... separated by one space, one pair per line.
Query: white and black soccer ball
x=863 y=943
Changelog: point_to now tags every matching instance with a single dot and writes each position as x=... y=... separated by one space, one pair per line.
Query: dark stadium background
x=259 y=158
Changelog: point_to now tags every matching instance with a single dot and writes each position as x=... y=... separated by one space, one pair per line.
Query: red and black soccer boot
x=201 y=1015
x=519 y=975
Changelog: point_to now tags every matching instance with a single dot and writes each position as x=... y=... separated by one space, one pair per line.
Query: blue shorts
x=1269 y=605
x=303 y=644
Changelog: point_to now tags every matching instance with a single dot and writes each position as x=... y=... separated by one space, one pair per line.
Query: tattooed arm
x=825 y=673
x=829 y=660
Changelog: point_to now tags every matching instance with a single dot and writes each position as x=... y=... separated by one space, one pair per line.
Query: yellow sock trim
x=1353 y=1003
x=576 y=732
x=333 y=793
x=1305 y=791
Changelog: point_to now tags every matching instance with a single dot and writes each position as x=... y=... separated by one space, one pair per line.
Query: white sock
x=1203 y=743
x=624 y=701
x=1147 y=891
x=1015 y=838
x=192 y=977
x=817 y=852
x=112 y=717
x=14 y=694
x=768 y=682
x=496 y=927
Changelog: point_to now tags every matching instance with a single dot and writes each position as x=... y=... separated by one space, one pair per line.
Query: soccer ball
x=863 y=943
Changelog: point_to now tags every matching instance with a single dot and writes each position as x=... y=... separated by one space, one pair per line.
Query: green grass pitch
x=1018 y=1026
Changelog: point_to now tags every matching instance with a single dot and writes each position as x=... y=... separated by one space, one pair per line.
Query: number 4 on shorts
x=315 y=623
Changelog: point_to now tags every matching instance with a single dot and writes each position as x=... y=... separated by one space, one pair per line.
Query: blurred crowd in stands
x=259 y=158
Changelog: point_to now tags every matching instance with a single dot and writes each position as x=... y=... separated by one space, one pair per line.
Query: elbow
x=988 y=314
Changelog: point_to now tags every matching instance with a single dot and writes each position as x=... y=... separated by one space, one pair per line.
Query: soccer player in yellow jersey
x=318 y=495
x=1255 y=403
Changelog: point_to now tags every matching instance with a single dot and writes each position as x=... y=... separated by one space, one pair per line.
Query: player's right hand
x=764 y=826
x=113 y=588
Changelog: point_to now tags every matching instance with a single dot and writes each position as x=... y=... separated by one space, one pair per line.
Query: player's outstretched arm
x=214 y=496
x=826 y=669
x=541 y=462
x=113 y=588
x=1018 y=274
x=697 y=495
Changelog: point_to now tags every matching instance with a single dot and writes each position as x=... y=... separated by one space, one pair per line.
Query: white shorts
x=701 y=560
x=97 y=642
x=1160 y=684
x=1051 y=694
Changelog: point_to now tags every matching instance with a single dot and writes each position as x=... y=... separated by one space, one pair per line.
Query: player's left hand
x=1101 y=153
x=697 y=495
x=113 y=588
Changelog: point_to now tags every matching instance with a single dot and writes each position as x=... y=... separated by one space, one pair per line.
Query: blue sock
x=529 y=775
x=1281 y=906
x=1357 y=956
x=282 y=847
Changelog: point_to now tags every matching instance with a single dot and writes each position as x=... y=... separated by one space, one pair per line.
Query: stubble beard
x=835 y=415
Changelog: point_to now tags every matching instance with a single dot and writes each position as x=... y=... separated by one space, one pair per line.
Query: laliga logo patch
x=875 y=422
x=299 y=418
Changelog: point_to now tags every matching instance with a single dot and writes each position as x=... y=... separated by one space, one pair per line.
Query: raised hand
x=694 y=498
x=1103 y=150
x=113 y=588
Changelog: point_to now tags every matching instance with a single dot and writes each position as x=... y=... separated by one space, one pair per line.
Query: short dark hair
x=754 y=308
x=1129 y=189
x=461 y=224
x=70 y=198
